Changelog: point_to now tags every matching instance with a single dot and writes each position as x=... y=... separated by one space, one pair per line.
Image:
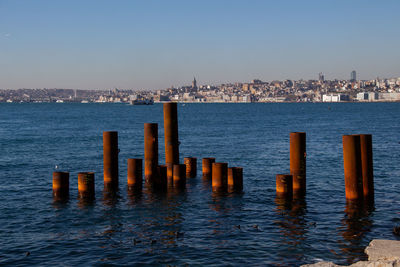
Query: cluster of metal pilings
x=158 y=178
x=357 y=163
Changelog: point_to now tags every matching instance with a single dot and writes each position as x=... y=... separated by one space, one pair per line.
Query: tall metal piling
x=86 y=185
x=352 y=167
x=220 y=177
x=110 y=160
x=60 y=186
x=207 y=168
x=298 y=162
x=135 y=174
x=171 y=133
x=191 y=167
x=150 y=152
x=367 y=166
x=235 y=179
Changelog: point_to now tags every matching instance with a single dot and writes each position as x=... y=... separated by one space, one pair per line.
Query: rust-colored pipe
x=179 y=175
x=135 y=174
x=367 y=166
x=171 y=133
x=110 y=160
x=191 y=167
x=207 y=168
x=235 y=179
x=352 y=167
x=219 y=177
x=284 y=185
x=150 y=152
x=60 y=186
x=298 y=162
x=86 y=185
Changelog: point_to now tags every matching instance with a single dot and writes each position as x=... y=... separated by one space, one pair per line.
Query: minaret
x=194 y=83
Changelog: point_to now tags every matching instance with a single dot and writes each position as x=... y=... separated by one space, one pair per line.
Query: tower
x=194 y=83
x=353 y=77
x=321 y=77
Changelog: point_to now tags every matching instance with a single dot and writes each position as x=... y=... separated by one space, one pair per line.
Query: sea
x=194 y=227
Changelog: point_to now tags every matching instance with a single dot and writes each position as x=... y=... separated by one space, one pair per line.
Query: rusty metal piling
x=367 y=167
x=135 y=174
x=171 y=133
x=284 y=186
x=179 y=173
x=219 y=177
x=352 y=167
x=207 y=168
x=235 y=179
x=86 y=185
x=110 y=160
x=150 y=153
x=298 y=162
x=191 y=167
x=60 y=186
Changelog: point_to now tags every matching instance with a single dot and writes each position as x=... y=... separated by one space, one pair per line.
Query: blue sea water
x=194 y=227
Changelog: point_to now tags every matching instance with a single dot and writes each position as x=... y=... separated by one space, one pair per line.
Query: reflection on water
x=354 y=225
x=110 y=198
x=292 y=226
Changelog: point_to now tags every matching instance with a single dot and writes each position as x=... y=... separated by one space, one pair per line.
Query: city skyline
x=154 y=45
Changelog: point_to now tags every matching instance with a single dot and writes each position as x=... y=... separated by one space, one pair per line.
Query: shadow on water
x=354 y=225
x=111 y=197
x=293 y=228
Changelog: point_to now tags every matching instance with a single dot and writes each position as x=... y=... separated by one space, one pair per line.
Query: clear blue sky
x=147 y=44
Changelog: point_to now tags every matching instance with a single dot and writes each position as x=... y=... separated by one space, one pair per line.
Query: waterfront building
x=335 y=98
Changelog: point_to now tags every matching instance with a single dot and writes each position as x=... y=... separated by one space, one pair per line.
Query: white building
x=335 y=98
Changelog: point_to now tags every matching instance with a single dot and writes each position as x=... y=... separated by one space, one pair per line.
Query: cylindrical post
x=179 y=175
x=191 y=167
x=367 y=166
x=135 y=174
x=86 y=185
x=298 y=162
x=219 y=177
x=171 y=133
x=110 y=160
x=60 y=185
x=284 y=185
x=235 y=179
x=162 y=180
x=150 y=152
x=352 y=167
x=207 y=167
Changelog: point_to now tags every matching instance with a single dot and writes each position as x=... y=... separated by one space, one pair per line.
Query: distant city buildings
x=320 y=90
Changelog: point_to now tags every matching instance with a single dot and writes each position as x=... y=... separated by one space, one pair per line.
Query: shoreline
x=381 y=252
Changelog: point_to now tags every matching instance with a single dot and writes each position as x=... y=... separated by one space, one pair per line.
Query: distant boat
x=60 y=101
x=84 y=101
x=142 y=102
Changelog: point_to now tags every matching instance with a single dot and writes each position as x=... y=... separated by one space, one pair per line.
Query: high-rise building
x=353 y=76
x=321 y=77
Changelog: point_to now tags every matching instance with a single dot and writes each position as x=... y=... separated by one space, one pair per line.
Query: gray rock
x=381 y=253
x=380 y=249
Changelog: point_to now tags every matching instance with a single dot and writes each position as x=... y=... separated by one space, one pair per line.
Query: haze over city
x=157 y=44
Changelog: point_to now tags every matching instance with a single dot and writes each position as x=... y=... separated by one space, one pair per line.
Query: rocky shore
x=381 y=253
